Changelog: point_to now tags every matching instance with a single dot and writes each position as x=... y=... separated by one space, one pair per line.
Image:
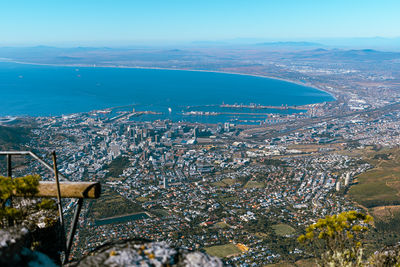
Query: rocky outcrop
x=16 y=244
x=141 y=253
x=35 y=241
x=14 y=249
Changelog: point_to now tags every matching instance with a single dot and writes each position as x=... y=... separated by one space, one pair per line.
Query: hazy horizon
x=359 y=42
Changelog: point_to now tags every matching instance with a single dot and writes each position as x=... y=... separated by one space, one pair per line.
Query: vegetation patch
x=262 y=235
x=222 y=225
x=117 y=166
x=374 y=194
x=385 y=213
x=112 y=204
x=142 y=199
x=160 y=212
x=14 y=137
x=379 y=186
x=219 y=184
x=223 y=251
x=378 y=190
x=395 y=185
x=226 y=182
x=229 y=182
x=283 y=229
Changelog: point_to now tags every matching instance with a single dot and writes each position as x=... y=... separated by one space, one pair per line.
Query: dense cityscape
x=242 y=189
x=210 y=187
x=231 y=150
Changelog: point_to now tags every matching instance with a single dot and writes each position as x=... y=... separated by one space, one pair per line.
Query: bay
x=38 y=90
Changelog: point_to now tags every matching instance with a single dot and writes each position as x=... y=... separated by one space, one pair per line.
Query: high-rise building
x=347 y=179
x=338 y=186
x=195 y=130
x=227 y=127
x=165 y=181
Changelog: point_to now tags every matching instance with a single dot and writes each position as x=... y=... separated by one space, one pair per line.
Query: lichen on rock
x=136 y=252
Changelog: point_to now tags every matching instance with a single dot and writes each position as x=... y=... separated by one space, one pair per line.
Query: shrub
x=47 y=204
x=26 y=186
x=340 y=237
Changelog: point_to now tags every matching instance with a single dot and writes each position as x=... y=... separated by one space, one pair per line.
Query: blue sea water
x=54 y=90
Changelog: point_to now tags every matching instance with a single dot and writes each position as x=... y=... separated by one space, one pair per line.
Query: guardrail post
x=79 y=190
x=73 y=228
x=9 y=166
x=9 y=174
x=59 y=204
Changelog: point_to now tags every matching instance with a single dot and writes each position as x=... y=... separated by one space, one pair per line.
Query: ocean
x=37 y=90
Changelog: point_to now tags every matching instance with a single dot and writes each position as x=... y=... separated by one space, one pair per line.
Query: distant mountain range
x=294 y=44
x=165 y=57
x=346 y=55
x=379 y=43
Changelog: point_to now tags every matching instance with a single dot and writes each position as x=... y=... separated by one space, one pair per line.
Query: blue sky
x=136 y=21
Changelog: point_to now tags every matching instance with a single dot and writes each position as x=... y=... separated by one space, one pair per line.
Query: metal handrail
x=79 y=202
x=33 y=155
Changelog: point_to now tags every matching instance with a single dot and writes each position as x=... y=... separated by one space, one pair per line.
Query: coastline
x=178 y=69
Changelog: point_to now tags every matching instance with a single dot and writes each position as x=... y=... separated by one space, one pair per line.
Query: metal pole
x=9 y=174
x=73 y=228
x=9 y=166
x=59 y=204
x=58 y=189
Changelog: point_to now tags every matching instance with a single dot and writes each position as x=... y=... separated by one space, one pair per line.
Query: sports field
x=223 y=251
